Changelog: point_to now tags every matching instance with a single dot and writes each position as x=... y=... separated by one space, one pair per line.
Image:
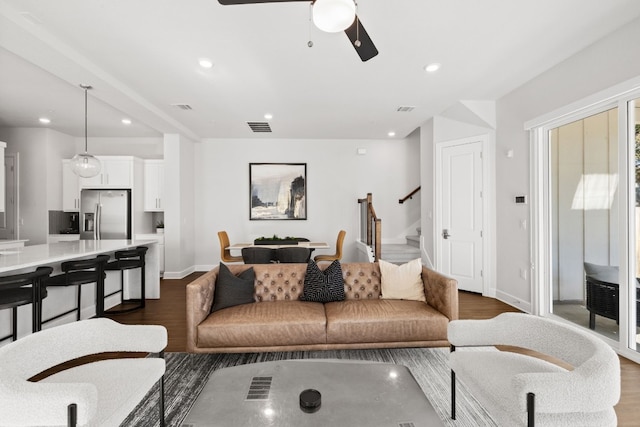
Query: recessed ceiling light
x=432 y=68
x=268 y=116
x=391 y=134
x=44 y=120
x=126 y=121
x=205 y=63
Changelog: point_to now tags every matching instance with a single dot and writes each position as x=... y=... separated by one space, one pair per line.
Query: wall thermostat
x=521 y=199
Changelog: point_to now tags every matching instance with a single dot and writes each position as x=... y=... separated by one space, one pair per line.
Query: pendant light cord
x=86 y=137
x=85 y=120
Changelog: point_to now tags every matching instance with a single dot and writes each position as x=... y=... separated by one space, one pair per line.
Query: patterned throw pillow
x=233 y=290
x=323 y=286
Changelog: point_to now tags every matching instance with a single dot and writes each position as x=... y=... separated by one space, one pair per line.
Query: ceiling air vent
x=404 y=109
x=259 y=126
x=185 y=107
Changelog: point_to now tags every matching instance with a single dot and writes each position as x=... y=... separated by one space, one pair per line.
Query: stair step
x=399 y=254
x=413 y=241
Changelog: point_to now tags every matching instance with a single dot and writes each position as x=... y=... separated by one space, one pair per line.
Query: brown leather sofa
x=280 y=321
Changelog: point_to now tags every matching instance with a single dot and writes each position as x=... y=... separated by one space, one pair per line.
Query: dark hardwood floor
x=170 y=311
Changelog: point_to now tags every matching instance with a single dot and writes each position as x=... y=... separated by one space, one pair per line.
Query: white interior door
x=8 y=222
x=460 y=212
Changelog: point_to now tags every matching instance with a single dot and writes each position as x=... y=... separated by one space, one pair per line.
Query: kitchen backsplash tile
x=63 y=222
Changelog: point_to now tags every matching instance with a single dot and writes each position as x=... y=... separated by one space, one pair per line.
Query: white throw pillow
x=402 y=281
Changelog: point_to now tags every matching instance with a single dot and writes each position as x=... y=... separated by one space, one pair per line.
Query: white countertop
x=39 y=255
x=7 y=241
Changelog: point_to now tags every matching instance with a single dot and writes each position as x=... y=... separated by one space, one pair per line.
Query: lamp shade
x=85 y=165
x=333 y=16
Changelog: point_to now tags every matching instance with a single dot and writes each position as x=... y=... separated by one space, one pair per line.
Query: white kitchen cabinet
x=154 y=185
x=70 y=188
x=160 y=239
x=116 y=172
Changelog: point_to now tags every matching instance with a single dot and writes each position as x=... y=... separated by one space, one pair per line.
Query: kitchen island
x=61 y=299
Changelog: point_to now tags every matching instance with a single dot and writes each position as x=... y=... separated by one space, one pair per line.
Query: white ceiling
x=141 y=56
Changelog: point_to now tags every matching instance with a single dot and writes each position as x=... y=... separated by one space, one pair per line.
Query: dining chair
x=225 y=254
x=22 y=289
x=338 y=254
x=255 y=255
x=293 y=255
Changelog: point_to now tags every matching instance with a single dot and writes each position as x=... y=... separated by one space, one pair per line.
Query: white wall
x=336 y=177
x=144 y=148
x=604 y=64
x=179 y=215
x=40 y=176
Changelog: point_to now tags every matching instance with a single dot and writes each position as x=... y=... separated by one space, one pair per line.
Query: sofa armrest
x=441 y=292
x=199 y=303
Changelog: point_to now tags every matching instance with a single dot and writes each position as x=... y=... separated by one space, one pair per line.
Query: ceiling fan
x=332 y=16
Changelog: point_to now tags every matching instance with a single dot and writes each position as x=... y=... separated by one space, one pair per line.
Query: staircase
x=402 y=253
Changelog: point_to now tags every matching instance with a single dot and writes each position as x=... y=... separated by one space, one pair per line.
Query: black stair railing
x=370 y=226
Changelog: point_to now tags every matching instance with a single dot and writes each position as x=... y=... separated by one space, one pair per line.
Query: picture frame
x=277 y=191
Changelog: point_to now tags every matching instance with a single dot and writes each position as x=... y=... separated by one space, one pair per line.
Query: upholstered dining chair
x=256 y=255
x=338 y=254
x=225 y=254
x=293 y=255
x=100 y=393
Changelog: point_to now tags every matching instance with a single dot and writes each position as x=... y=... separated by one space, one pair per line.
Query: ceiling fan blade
x=232 y=2
x=367 y=49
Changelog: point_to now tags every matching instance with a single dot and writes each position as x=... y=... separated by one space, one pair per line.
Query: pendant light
x=84 y=164
x=334 y=16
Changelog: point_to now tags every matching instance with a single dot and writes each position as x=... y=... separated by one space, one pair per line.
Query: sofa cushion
x=361 y=280
x=279 y=282
x=323 y=285
x=402 y=281
x=233 y=290
x=264 y=324
x=368 y=321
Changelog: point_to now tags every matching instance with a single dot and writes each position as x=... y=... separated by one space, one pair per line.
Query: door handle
x=445 y=234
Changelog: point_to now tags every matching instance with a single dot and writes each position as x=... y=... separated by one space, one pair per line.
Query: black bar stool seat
x=78 y=273
x=22 y=289
x=128 y=260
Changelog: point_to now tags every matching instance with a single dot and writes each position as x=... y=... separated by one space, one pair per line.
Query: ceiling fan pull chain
x=310 y=42
x=357 y=43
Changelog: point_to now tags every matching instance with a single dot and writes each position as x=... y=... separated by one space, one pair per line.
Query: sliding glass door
x=584 y=222
x=586 y=216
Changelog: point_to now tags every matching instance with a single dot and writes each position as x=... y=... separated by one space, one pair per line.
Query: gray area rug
x=187 y=375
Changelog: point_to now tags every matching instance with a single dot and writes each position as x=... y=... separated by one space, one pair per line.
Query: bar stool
x=78 y=273
x=23 y=289
x=127 y=260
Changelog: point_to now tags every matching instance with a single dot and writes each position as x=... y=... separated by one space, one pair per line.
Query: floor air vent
x=259 y=388
x=403 y=425
x=259 y=126
x=185 y=107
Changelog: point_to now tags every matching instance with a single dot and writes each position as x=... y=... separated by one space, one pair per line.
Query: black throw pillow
x=323 y=286
x=233 y=290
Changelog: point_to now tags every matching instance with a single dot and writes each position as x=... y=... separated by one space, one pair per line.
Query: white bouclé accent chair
x=104 y=392
x=518 y=389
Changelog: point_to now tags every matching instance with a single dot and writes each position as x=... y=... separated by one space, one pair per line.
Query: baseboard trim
x=179 y=274
x=513 y=301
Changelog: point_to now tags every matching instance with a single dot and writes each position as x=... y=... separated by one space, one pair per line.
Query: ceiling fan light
x=85 y=165
x=333 y=16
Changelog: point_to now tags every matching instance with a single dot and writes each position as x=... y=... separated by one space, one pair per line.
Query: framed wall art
x=277 y=191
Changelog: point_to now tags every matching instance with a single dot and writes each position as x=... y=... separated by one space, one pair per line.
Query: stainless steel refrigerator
x=105 y=214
